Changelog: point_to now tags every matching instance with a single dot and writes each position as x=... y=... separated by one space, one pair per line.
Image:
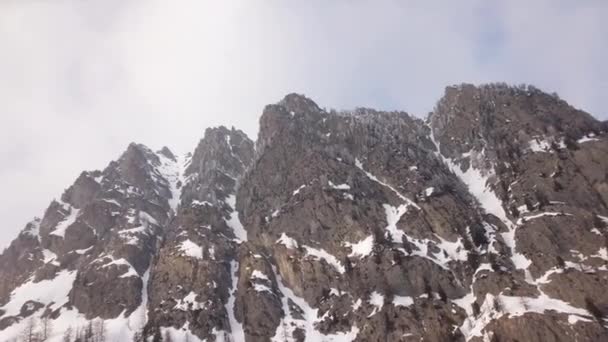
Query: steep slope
x=99 y=237
x=192 y=286
x=486 y=222
x=538 y=168
x=358 y=221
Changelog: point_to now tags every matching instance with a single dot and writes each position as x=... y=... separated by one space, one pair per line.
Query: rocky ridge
x=488 y=221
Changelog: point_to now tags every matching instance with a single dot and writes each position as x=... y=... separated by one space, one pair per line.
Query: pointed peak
x=165 y=151
x=138 y=151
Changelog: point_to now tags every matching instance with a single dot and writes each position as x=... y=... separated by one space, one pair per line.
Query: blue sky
x=82 y=79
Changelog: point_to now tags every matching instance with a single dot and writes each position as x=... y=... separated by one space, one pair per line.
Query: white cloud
x=81 y=79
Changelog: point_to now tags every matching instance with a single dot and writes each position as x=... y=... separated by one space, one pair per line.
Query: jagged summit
x=487 y=222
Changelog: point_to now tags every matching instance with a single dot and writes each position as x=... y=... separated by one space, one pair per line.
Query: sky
x=80 y=80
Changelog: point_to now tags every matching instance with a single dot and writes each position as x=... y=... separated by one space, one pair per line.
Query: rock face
x=486 y=222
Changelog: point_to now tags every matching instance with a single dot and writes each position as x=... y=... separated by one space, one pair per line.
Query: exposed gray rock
x=486 y=222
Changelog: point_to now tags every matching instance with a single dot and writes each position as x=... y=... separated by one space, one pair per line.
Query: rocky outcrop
x=486 y=222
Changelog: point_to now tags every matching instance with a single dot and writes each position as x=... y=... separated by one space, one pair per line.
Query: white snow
x=287 y=241
x=67 y=221
x=539 y=215
x=289 y=324
x=539 y=145
x=312 y=252
x=407 y=201
x=323 y=255
x=393 y=215
x=236 y=327
x=191 y=249
x=357 y=304
x=130 y=236
x=131 y=272
x=403 y=301
x=172 y=171
x=339 y=186
x=477 y=182
x=602 y=253
x=201 y=203
x=262 y=288
x=377 y=300
x=362 y=248
x=258 y=275
x=111 y=201
x=589 y=137
x=83 y=251
x=513 y=307
x=429 y=191
x=297 y=191
x=234 y=222
x=146 y=218
x=48 y=256
x=54 y=291
x=184 y=334
x=454 y=250
x=189 y=302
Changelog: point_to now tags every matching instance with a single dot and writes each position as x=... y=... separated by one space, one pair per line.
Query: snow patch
x=362 y=248
x=191 y=249
x=376 y=299
x=189 y=302
x=234 y=222
x=339 y=186
x=66 y=222
x=403 y=301
x=297 y=191
x=289 y=324
x=323 y=255
x=236 y=327
x=287 y=241
x=259 y=275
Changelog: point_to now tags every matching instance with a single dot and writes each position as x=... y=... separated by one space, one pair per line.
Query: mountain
x=488 y=221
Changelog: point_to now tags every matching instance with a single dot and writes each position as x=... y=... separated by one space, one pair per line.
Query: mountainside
x=486 y=222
